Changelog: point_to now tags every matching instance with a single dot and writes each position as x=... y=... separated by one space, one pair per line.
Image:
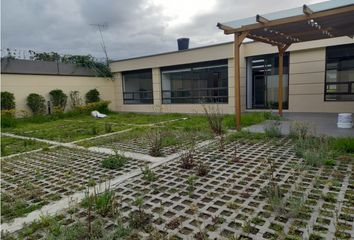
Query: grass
x=10 y=145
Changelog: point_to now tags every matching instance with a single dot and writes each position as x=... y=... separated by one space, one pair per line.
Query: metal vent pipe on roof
x=183 y=43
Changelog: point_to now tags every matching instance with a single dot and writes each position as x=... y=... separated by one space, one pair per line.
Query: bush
x=114 y=162
x=101 y=106
x=58 y=99
x=273 y=129
x=343 y=145
x=36 y=103
x=8 y=119
x=7 y=101
x=92 y=96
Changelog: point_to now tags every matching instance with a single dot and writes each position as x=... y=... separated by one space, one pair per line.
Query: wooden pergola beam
x=288 y=20
x=261 y=19
x=238 y=38
x=307 y=11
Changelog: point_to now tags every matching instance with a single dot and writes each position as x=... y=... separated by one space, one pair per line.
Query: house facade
x=318 y=77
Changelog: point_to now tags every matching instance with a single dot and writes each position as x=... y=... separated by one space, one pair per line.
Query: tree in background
x=7 y=101
x=58 y=99
x=92 y=96
x=36 y=103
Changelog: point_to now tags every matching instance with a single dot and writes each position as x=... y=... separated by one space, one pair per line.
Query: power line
x=100 y=27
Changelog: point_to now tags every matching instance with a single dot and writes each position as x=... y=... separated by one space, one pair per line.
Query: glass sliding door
x=262 y=81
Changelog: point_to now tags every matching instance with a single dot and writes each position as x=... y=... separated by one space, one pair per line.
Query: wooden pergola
x=311 y=22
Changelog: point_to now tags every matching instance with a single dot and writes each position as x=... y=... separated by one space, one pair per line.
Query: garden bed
x=260 y=191
x=30 y=181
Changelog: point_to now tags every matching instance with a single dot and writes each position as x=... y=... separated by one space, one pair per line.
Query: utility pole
x=100 y=27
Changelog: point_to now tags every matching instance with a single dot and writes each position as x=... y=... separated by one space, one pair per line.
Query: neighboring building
x=318 y=77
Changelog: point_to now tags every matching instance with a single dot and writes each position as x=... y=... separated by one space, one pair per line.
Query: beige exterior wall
x=22 y=85
x=306 y=75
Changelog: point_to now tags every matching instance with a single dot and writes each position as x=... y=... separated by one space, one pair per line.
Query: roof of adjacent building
x=21 y=66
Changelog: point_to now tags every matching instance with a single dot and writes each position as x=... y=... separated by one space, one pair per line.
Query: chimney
x=183 y=43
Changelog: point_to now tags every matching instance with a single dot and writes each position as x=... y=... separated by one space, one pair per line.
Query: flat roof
x=176 y=51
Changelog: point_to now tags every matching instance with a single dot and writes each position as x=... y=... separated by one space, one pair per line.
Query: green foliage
x=58 y=99
x=108 y=127
x=114 y=162
x=36 y=103
x=92 y=96
x=148 y=174
x=154 y=138
x=101 y=69
x=7 y=101
x=8 y=120
x=273 y=130
x=342 y=145
x=104 y=203
x=202 y=169
x=215 y=119
x=101 y=106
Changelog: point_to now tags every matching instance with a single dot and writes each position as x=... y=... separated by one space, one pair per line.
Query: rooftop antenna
x=100 y=27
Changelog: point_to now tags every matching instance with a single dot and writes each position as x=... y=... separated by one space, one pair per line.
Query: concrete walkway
x=321 y=123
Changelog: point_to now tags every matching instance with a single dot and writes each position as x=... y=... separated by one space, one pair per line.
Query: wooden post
x=239 y=37
x=280 y=82
x=281 y=51
x=237 y=82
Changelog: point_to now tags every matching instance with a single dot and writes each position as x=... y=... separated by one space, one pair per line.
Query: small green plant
x=104 y=203
x=191 y=184
x=108 y=127
x=92 y=96
x=139 y=218
x=300 y=130
x=116 y=161
x=7 y=101
x=36 y=103
x=148 y=174
x=273 y=130
x=58 y=99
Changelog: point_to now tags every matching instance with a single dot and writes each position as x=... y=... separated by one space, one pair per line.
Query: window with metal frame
x=137 y=87
x=339 y=82
x=203 y=82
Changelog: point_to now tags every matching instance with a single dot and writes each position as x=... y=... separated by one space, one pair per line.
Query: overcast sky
x=134 y=27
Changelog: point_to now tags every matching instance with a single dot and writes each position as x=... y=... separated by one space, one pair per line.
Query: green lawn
x=73 y=128
x=11 y=145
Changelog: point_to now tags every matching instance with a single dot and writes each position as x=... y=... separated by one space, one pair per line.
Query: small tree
x=7 y=101
x=36 y=103
x=92 y=96
x=75 y=99
x=58 y=99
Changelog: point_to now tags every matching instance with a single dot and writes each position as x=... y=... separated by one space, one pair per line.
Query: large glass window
x=137 y=87
x=262 y=81
x=205 y=82
x=339 y=84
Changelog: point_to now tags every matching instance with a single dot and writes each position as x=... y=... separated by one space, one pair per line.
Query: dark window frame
x=192 y=66
x=149 y=100
x=350 y=84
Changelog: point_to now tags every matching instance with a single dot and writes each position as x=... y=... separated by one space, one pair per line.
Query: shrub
x=273 y=130
x=7 y=101
x=92 y=96
x=75 y=99
x=58 y=99
x=36 y=103
x=155 y=143
x=8 y=119
x=343 y=145
x=202 y=169
x=101 y=106
x=148 y=174
x=215 y=119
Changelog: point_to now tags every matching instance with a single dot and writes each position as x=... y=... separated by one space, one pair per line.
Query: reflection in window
x=205 y=82
x=137 y=87
x=340 y=73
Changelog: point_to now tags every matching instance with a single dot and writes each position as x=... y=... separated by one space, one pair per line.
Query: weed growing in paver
x=148 y=174
x=115 y=161
x=191 y=182
x=273 y=130
x=104 y=203
x=187 y=160
x=139 y=218
x=155 y=142
x=202 y=169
